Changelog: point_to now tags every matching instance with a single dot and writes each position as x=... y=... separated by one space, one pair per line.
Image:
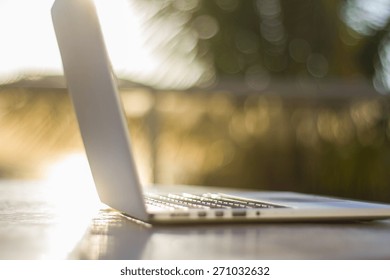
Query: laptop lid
x=96 y=100
x=103 y=127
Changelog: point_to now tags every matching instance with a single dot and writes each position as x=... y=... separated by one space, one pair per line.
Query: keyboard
x=203 y=201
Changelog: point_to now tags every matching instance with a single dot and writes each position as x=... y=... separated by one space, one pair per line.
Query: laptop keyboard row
x=203 y=201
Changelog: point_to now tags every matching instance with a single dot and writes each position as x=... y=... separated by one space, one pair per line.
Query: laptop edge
x=103 y=128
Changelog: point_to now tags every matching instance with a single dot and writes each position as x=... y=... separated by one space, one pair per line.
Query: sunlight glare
x=123 y=37
x=29 y=48
x=71 y=184
x=71 y=191
x=28 y=43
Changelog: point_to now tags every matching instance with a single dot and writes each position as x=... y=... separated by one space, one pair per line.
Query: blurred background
x=264 y=94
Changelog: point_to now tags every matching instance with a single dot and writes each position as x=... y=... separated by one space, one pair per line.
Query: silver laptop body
x=103 y=127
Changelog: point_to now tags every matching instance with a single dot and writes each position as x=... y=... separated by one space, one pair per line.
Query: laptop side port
x=218 y=213
x=239 y=213
x=180 y=214
x=202 y=214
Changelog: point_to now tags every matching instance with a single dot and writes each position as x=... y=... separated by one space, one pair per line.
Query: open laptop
x=102 y=123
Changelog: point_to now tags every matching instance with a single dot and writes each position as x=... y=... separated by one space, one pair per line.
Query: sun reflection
x=75 y=202
x=71 y=181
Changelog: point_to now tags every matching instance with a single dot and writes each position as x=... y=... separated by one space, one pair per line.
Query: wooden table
x=40 y=221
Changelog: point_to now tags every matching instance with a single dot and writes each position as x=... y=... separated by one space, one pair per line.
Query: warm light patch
x=71 y=192
x=71 y=183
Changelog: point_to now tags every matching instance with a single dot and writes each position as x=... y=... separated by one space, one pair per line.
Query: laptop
x=103 y=128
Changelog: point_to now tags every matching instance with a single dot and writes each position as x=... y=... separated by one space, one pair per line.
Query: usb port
x=202 y=214
x=218 y=213
x=239 y=213
x=184 y=214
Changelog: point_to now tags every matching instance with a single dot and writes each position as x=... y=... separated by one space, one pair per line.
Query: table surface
x=41 y=221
